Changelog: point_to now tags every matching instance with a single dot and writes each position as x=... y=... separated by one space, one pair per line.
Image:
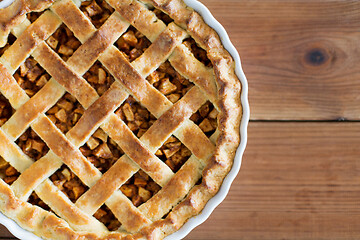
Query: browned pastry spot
x=169 y=82
x=132 y=43
x=105 y=216
x=63 y=42
x=11 y=40
x=101 y=150
x=140 y=188
x=35 y=200
x=98 y=11
x=31 y=76
x=173 y=153
x=206 y=118
x=32 y=145
x=199 y=53
x=99 y=78
x=68 y=183
x=136 y=117
x=66 y=112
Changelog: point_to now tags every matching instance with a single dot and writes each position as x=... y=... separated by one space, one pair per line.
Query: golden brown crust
x=15 y=14
x=179 y=193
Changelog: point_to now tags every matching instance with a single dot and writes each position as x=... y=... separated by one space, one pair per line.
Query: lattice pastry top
x=119 y=119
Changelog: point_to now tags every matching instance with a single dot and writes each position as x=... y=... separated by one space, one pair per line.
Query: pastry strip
x=171 y=194
x=139 y=16
x=188 y=66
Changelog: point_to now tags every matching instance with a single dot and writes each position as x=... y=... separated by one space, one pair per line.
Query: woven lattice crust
x=180 y=196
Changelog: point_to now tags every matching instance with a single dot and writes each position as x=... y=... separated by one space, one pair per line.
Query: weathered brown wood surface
x=301 y=57
x=298 y=180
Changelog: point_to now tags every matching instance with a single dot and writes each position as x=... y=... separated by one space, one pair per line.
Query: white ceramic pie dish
x=17 y=231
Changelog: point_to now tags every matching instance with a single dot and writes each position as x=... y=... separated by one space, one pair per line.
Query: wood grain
x=301 y=57
x=297 y=181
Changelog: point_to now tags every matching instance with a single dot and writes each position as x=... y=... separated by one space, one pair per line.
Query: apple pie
x=119 y=118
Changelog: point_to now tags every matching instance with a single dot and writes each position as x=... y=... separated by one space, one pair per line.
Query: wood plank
x=297 y=181
x=301 y=57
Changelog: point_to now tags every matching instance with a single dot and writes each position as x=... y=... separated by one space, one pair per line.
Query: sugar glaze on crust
x=146 y=222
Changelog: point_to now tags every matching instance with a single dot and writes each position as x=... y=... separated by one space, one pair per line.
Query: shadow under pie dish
x=119 y=119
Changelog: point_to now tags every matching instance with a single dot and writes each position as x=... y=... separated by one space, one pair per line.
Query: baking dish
x=216 y=200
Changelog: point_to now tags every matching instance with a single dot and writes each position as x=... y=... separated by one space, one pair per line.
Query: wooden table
x=300 y=177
